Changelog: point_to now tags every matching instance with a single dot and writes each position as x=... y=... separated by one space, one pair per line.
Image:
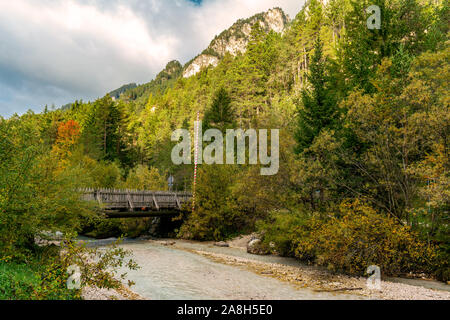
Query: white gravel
x=124 y=293
x=326 y=282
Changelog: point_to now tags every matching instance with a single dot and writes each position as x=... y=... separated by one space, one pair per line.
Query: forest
x=364 y=146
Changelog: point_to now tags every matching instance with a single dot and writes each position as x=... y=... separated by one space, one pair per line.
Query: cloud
x=57 y=51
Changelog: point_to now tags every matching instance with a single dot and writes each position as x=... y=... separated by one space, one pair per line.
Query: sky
x=53 y=52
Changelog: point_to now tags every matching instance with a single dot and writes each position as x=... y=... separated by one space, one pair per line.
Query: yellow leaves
x=5 y=258
x=144 y=178
x=362 y=237
x=68 y=135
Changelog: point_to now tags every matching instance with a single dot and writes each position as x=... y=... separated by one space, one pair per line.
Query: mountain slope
x=163 y=80
x=235 y=39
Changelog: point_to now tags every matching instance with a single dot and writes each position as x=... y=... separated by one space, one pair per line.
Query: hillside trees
x=318 y=110
x=103 y=130
x=393 y=122
x=363 y=115
x=213 y=218
x=317 y=117
x=403 y=22
x=220 y=115
x=35 y=196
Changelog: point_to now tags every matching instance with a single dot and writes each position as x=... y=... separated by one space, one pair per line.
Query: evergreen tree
x=403 y=23
x=220 y=115
x=102 y=135
x=319 y=108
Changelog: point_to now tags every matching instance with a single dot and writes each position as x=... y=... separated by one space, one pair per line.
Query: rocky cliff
x=235 y=39
x=202 y=61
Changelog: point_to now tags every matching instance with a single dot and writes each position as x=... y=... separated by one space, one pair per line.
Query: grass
x=17 y=281
x=23 y=281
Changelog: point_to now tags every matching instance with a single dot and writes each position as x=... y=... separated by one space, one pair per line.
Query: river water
x=173 y=273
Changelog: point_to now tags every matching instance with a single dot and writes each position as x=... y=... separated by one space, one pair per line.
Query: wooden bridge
x=133 y=203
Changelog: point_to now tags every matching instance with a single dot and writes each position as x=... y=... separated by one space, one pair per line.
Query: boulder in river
x=255 y=247
x=167 y=243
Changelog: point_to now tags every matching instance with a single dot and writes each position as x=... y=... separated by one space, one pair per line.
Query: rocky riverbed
x=123 y=293
x=176 y=269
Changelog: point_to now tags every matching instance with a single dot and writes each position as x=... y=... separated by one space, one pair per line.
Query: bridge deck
x=153 y=202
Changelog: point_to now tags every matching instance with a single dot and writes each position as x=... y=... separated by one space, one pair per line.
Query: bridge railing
x=135 y=200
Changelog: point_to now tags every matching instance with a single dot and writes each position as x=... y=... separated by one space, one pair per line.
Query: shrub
x=44 y=275
x=35 y=280
x=281 y=229
x=357 y=236
x=213 y=219
x=35 y=195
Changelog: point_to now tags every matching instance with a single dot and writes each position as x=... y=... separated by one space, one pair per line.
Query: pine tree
x=220 y=115
x=103 y=130
x=319 y=108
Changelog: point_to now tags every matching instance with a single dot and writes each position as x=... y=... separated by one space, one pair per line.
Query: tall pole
x=197 y=134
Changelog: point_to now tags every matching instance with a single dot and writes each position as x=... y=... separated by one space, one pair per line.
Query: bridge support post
x=155 y=202
x=178 y=201
x=130 y=202
x=98 y=197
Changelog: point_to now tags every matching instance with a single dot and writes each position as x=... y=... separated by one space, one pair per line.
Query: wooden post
x=99 y=198
x=178 y=202
x=155 y=202
x=130 y=202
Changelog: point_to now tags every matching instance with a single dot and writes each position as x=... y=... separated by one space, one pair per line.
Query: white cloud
x=58 y=51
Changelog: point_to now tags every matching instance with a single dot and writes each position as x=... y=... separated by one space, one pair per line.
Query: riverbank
x=123 y=293
x=325 y=282
x=317 y=279
x=178 y=269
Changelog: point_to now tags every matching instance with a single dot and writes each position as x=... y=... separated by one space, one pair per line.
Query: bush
x=281 y=229
x=34 y=280
x=442 y=271
x=105 y=175
x=44 y=275
x=213 y=218
x=357 y=237
x=35 y=195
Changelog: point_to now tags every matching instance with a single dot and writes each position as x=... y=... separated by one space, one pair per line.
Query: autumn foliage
x=357 y=236
x=68 y=135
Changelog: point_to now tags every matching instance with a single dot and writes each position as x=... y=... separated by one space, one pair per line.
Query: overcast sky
x=57 y=51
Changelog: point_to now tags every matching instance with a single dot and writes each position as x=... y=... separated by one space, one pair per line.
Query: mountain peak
x=172 y=70
x=235 y=39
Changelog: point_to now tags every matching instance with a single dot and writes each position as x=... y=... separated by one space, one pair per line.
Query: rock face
x=233 y=45
x=235 y=39
x=276 y=20
x=199 y=63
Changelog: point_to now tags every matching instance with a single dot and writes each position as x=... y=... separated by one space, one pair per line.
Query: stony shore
x=300 y=277
x=323 y=281
x=123 y=293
